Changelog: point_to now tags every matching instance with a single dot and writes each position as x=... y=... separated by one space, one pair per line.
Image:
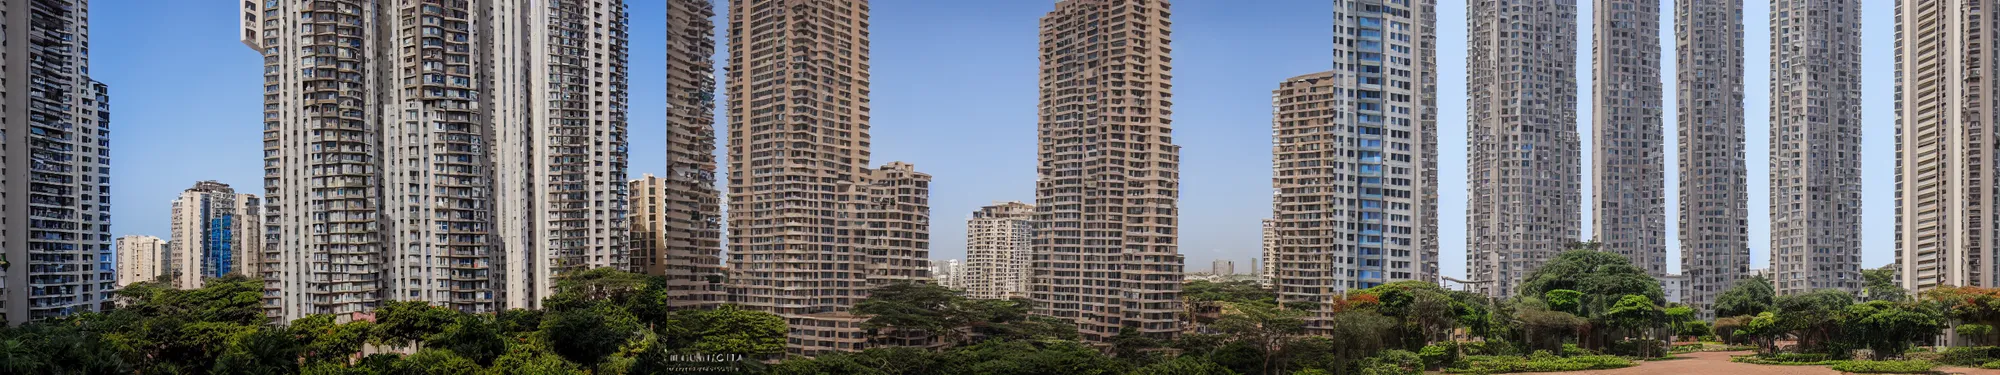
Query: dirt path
x=1718 y=363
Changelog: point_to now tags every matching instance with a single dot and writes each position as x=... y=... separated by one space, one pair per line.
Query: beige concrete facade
x=1265 y=268
x=55 y=231
x=215 y=232
x=998 y=243
x=1815 y=145
x=1628 y=152
x=1106 y=253
x=1353 y=155
x=660 y=247
x=463 y=153
x=684 y=206
x=811 y=227
x=1714 y=211
x=1945 y=144
x=141 y=259
x=1524 y=160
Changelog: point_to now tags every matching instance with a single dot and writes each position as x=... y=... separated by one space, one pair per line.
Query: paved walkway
x=1718 y=363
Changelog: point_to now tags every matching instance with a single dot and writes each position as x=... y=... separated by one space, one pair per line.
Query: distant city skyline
x=1226 y=54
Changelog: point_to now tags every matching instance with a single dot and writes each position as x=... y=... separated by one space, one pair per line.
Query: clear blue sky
x=954 y=93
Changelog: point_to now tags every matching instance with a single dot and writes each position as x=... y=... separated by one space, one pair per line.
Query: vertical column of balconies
x=692 y=226
x=63 y=240
x=1524 y=157
x=897 y=219
x=1815 y=145
x=339 y=178
x=442 y=187
x=1714 y=212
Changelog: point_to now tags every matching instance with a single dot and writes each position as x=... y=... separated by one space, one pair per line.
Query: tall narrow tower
x=1106 y=253
x=1945 y=144
x=1525 y=162
x=1815 y=145
x=811 y=227
x=689 y=209
x=1628 y=204
x=463 y=153
x=1714 y=211
x=55 y=175
x=1353 y=154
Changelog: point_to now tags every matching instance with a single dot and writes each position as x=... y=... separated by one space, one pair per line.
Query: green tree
x=1678 y=318
x=1564 y=300
x=404 y=323
x=535 y=360
x=1264 y=327
x=1185 y=365
x=1548 y=330
x=1602 y=278
x=324 y=341
x=1978 y=334
x=1748 y=297
x=472 y=337
x=731 y=330
x=1635 y=315
x=1889 y=327
x=1763 y=329
x=1814 y=318
x=1880 y=285
x=586 y=335
x=913 y=314
x=264 y=351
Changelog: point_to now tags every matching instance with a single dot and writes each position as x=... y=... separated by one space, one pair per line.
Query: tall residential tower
x=1106 y=253
x=464 y=153
x=55 y=170
x=1524 y=158
x=1816 y=145
x=141 y=259
x=1354 y=160
x=684 y=206
x=997 y=245
x=811 y=227
x=1946 y=144
x=1628 y=154
x=1714 y=211
x=216 y=232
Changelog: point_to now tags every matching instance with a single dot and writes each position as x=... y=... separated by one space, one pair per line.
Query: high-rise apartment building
x=663 y=244
x=1945 y=146
x=215 y=232
x=1222 y=267
x=1106 y=253
x=1714 y=211
x=811 y=227
x=55 y=176
x=998 y=240
x=1524 y=158
x=464 y=153
x=1815 y=145
x=949 y=274
x=141 y=259
x=1265 y=267
x=1628 y=154
x=1354 y=160
x=677 y=219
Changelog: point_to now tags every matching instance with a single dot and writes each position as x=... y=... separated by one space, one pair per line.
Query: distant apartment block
x=1628 y=152
x=1714 y=208
x=1524 y=158
x=811 y=227
x=1265 y=267
x=1673 y=287
x=949 y=274
x=215 y=232
x=662 y=246
x=998 y=240
x=1106 y=253
x=463 y=153
x=141 y=259
x=1222 y=267
x=1816 y=145
x=55 y=191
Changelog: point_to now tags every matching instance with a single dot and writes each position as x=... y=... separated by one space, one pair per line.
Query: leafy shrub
x=1884 y=367
x=1788 y=359
x=1990 y=365
x=1571 y=350
x=1541 y=355
x=1490 y=348
x=1965 y=356
x=1543 y=363
x=1393 y=362
x=1439 y=355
